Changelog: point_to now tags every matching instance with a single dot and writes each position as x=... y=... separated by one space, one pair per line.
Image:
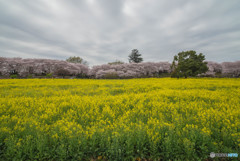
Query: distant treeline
x=47 y=68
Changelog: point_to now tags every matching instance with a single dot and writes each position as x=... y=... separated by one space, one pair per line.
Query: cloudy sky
x=102 y=31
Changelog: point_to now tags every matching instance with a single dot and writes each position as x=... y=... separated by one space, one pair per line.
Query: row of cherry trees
x=225 y=69
x=41 y=67
x=130 y=70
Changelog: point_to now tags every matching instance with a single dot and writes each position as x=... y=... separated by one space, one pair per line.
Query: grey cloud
x=102 y=31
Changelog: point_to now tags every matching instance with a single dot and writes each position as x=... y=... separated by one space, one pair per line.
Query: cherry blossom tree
x=42 y=67
x=131 y=70
x=39 y=67
x=231 y=69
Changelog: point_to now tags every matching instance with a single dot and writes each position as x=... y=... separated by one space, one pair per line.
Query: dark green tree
x=135 y=57
x=76 y=59
x=188 y=63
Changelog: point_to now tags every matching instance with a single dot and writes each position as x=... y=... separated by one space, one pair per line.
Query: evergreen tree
x=135 y=57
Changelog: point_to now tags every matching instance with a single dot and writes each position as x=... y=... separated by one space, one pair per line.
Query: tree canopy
x=188 y=63
x=135 y=57
x=76 y=59
x=117 y=62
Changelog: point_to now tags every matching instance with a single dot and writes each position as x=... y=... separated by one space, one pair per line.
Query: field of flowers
x=167 y=119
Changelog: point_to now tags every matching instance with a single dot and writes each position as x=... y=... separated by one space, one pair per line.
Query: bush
x=218 y=74
x=111 y=76
x=81 y=75
x=13 y=76
x=49 y=75
x=162 y=75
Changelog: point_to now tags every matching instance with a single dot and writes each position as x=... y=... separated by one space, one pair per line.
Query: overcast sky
x=101 y=31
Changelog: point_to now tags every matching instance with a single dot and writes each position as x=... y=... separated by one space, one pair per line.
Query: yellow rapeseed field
x=167 y=119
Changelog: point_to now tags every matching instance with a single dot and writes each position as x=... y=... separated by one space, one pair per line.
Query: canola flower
x=168 y=119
